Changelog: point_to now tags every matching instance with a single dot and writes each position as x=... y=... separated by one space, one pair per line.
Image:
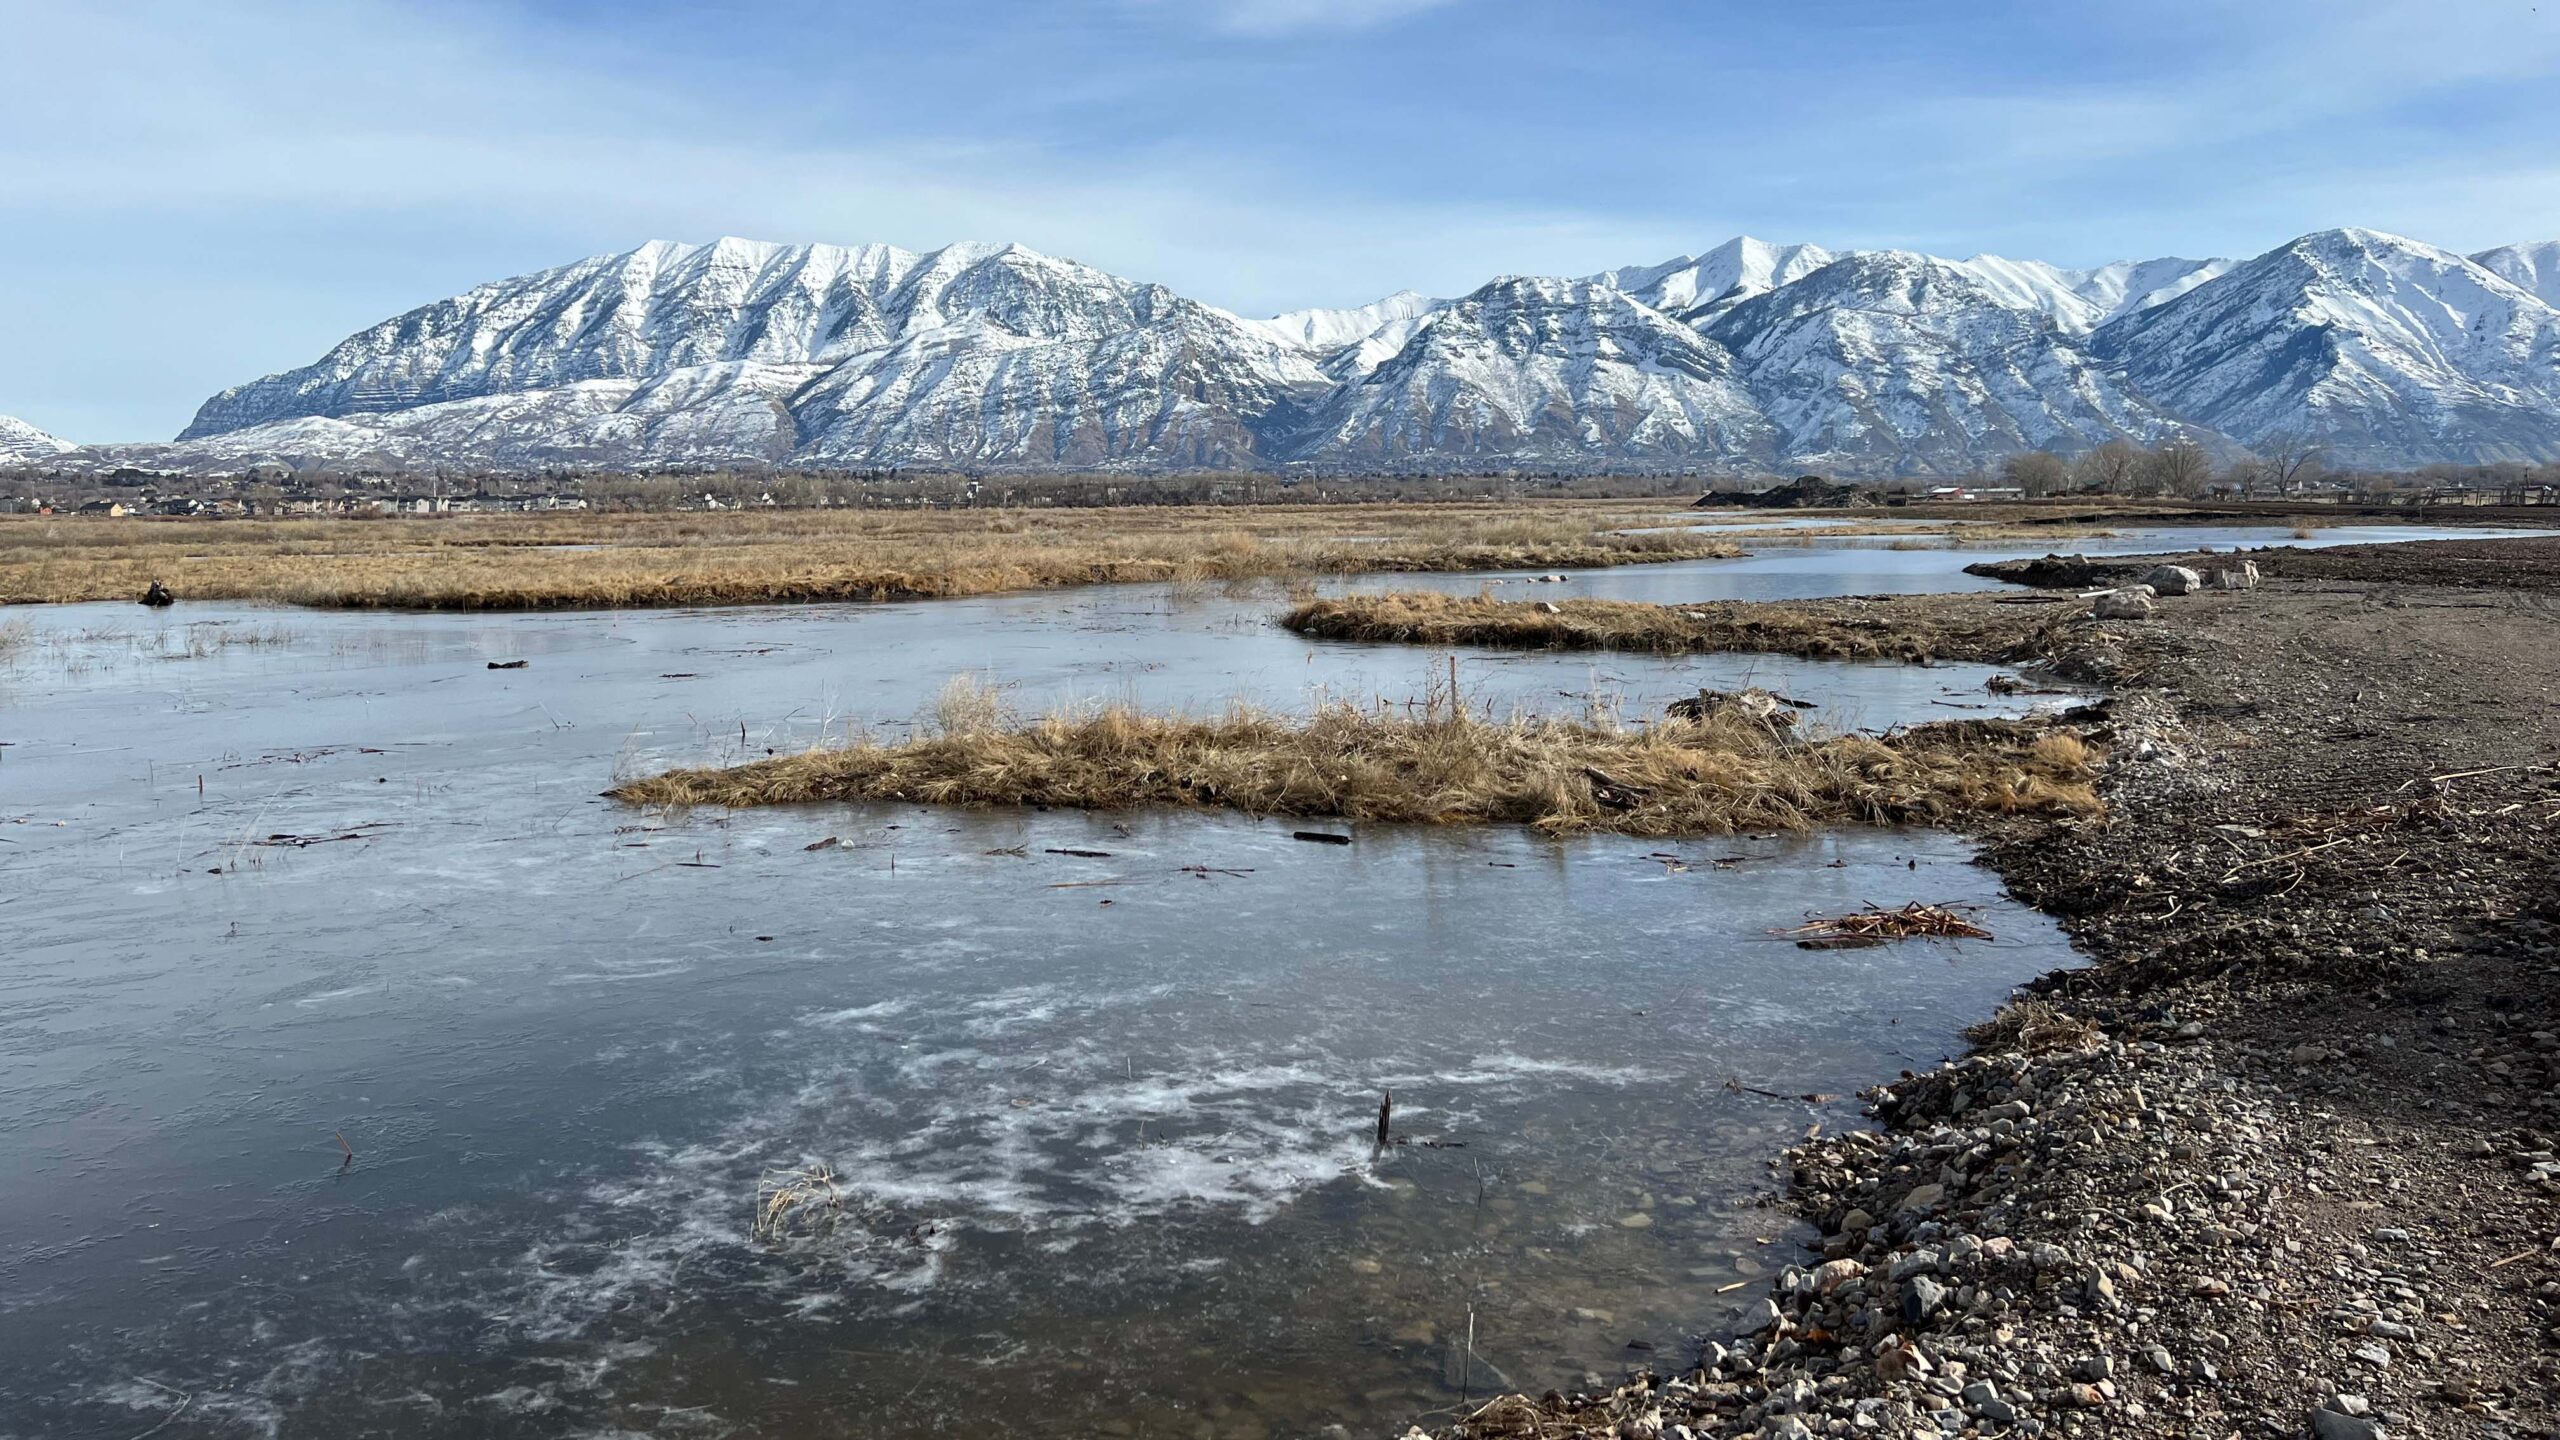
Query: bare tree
x=2110 y=467
x=2037 y=473
x=2178 y=468
x=2288 y=460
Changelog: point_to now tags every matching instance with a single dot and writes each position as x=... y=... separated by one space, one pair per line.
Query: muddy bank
x=2282 y=1160
x=2524 y=563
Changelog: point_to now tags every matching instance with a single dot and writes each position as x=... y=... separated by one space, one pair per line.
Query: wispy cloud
x=1290 y=17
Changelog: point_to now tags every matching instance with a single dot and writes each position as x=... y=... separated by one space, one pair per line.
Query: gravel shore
x=2285 y=1158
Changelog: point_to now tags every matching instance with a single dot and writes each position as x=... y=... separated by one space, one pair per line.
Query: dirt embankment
x=2282 y=1160
x=2524 y=563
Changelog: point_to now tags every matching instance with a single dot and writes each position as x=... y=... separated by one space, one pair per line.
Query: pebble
x=2331 y=1425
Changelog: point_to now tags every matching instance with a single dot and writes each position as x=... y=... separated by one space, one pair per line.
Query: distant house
x=103 y=507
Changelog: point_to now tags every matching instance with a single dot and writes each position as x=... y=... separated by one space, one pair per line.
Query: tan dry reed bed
x=1915 y=629
x=1350 y=763
x=531 y=562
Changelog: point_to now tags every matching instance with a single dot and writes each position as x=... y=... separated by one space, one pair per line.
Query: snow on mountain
x=2080 y=301
x=1177 y=384
x=1348 y=344
x=1893 y=361
x=1543 y=371
x=21 y=442
x=2130 y=285
x=2534 y=268
x=740 y=350
x=1696 y=288
x=1322 y=332
x=995 y=356
x=2380 y=348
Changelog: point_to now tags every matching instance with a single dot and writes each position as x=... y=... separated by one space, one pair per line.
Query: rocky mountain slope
x=2369 y=343
x=1748 y=357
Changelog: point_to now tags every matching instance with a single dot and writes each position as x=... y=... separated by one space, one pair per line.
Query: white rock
x=2133 y=602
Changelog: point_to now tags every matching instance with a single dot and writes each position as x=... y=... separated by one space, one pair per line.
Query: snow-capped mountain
x=1747 y=357
x=2534 y=268
x=21 y=442
x=1889 y=360
x=1697 y=288
x=739 y=350
x=2080 y=301
x=2376 y=346
x=1545 y=372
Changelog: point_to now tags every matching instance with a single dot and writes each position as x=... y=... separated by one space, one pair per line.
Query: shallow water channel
x=1100 y=1124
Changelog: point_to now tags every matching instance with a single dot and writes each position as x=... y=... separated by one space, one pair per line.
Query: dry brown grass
x=1917 y=630
x=1345 y=762
x=2034 y=1026
x=563 y=561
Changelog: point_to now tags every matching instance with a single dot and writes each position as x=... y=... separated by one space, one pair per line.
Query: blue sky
x=195 y=194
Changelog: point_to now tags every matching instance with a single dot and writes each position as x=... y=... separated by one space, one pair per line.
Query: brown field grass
x=1915 y=630
x=563 y=561
x=1351 y=763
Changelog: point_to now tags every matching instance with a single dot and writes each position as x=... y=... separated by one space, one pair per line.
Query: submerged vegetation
x=1712 y=776
x=590 y=561
x=1917 y=629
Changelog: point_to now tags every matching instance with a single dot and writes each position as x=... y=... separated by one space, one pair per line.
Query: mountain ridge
x=1748 y=356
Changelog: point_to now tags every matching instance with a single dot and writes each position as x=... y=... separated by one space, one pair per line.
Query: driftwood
x=1614 y=793
x=1874 y=926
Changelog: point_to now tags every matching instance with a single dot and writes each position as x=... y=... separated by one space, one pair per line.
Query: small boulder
x=2173 y=580
x=158 y=595
x=2133 y=602
x=2231 y=575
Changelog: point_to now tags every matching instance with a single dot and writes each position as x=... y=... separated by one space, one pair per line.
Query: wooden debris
x=1874 y=926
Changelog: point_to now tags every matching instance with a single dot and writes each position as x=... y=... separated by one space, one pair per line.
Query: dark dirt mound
x=1805 y=492
x=2520 y=564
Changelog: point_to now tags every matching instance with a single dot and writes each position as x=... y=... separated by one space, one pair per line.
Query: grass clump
x=1916 y=630
x=1346 y=762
